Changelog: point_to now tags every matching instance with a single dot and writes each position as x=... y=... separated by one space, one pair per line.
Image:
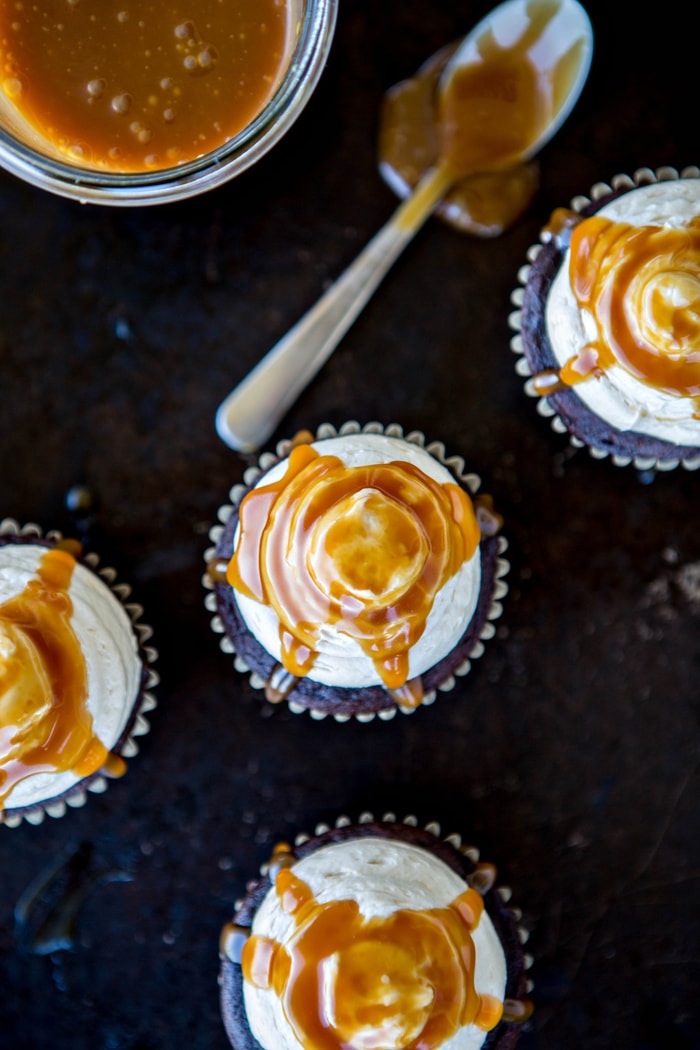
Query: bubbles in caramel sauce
x=492 y=110
x=405 y=980
x=363 y=549
x=44 y=722
x=641 y=287
x=88 y=72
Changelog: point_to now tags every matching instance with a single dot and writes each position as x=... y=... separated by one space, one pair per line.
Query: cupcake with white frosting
x=608 y=325
x=357 y=572
x=374 y=934
x=75 y=674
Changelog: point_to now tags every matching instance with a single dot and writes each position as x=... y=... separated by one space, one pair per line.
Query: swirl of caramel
x=402 y=981
x=641 y=285
x=362 y=550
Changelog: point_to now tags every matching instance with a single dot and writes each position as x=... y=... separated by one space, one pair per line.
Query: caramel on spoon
x=503 y=94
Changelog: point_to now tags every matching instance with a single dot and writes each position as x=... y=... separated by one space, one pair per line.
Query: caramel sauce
x=44 y=722
x=345 y=980
x=232 y=941
x=483 y=878
x=478 y=126
x=517 y=1011
x=559 y=226
x=411 y=694
x=364 y=549
x=131 y=86
x=279 y=685
x=216 y=569
x=641 y=286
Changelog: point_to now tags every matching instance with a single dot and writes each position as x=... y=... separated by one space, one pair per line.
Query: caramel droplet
x=483 y=877
x=517 y=1010
x=232 y=941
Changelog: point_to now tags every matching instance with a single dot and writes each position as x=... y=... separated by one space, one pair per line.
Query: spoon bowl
x=503 y=94
x=552 y=42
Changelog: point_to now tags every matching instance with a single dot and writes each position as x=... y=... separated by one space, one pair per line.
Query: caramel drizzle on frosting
x=364 y=549
x=45 y=726
x=641 y=286
x=345 y=980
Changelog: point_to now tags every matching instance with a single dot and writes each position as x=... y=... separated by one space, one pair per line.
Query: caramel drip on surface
x=483 y=204
x=130 y=86
x=403 y=981
x=483 y=122
x=44 y=722
x=363 y=549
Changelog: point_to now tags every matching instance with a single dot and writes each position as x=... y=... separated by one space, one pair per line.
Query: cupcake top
x=371 y=939
x=356 y=561
x=609 y=325
x=394 y=944
x=71 y=673
x=622 y=313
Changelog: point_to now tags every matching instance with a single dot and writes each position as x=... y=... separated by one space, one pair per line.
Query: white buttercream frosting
x=617 y=396
x=340 y=661
x=383 y=876
x=108 y=642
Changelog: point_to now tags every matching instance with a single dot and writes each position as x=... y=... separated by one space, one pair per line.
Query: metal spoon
x=556 y=36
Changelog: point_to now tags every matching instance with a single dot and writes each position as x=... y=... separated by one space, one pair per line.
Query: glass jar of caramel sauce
x=140 y=101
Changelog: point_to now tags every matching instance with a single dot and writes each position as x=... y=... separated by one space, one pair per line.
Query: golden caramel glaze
x=405 y=980
x=45 y=725
x=361 y=549
x=641 y=285
x=494 y=109
x=130 y=86
x=479 y=124
x=484 y=204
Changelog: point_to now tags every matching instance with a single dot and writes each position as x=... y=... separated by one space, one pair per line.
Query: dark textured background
x=569 y=754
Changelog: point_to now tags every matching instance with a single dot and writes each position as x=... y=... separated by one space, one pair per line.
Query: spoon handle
x=252 y=411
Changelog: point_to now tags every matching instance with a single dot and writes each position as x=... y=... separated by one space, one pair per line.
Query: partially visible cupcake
x=608 y=321
x=357 y=572
x=374 y=934
x=75 y=674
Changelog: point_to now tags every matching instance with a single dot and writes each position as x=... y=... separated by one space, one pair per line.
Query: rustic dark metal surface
x=569 y=754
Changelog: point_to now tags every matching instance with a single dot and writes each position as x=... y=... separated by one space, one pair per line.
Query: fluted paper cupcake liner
x=137 y=724
x=620 y=183
x=456 y=465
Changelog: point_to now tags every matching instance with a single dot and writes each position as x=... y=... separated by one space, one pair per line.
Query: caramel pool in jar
x=139 y=85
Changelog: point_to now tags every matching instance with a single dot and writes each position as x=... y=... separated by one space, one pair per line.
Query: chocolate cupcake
x=357 y=573
x=375 y=933
x=608 y=330
x=75 y=674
